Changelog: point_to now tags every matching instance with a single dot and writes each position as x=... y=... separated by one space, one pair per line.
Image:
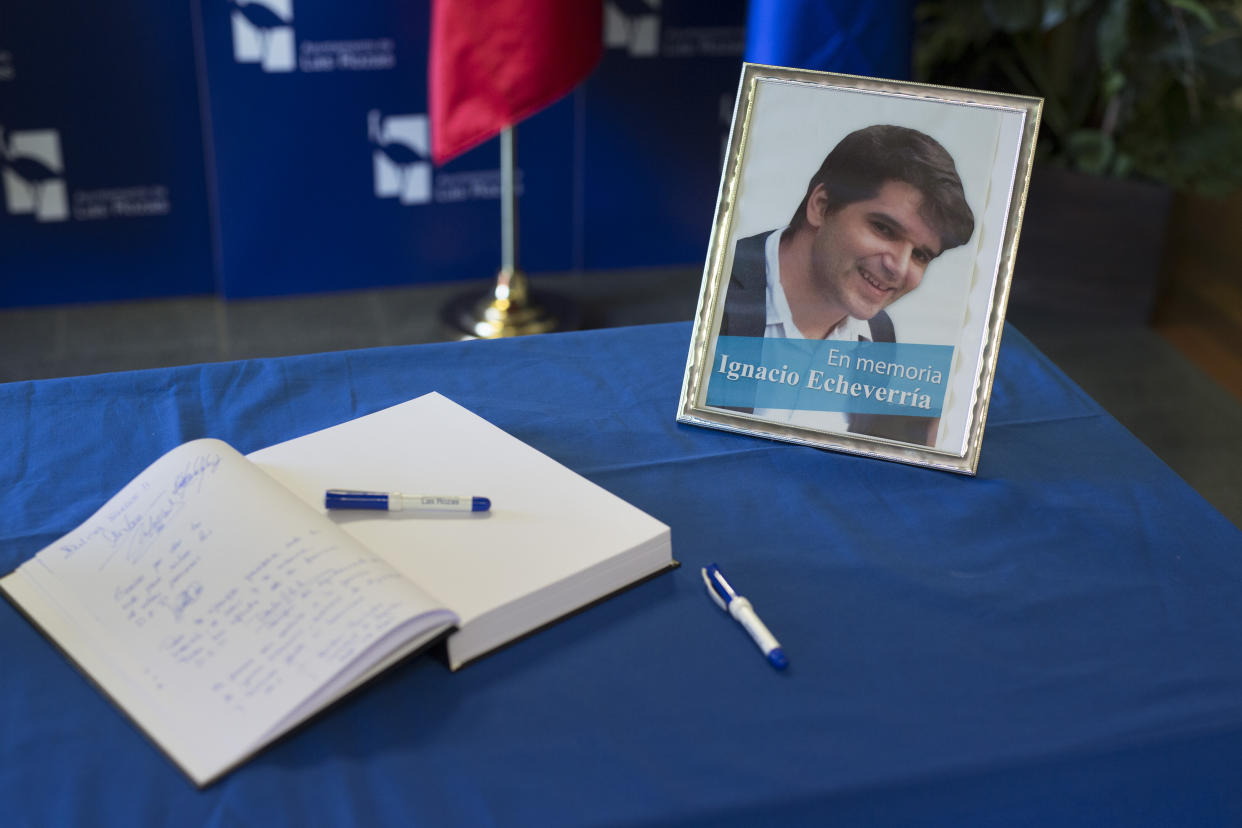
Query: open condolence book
x=219 y=605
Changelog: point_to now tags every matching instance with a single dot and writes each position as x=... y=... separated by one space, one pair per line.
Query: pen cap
x=348 y=499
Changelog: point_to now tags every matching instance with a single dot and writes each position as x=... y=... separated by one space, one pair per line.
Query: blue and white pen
x=397 y=502
x=741 y=610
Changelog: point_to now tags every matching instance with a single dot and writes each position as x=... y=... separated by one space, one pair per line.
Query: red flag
x=495 y=62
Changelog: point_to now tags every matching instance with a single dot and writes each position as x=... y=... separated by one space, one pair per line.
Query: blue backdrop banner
x=656 y=118
x=103 y=188
x=322 y=155
x=857 y=37
x=268 y=147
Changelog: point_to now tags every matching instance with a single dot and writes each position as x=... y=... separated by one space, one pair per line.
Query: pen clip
x=717 y=587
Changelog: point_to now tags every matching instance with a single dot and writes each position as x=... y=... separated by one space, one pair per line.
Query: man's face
x=868 y=254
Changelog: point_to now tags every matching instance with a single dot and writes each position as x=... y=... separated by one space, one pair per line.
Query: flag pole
x=509 y=308
x=508 y=201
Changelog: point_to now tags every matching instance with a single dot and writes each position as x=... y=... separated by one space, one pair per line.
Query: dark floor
x=1193 y=423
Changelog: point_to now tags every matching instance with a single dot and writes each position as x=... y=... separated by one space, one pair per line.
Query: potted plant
x=1141 y=98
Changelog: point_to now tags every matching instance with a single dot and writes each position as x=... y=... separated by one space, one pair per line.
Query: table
x=1056 y=641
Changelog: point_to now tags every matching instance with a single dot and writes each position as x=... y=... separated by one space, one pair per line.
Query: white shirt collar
x=780 y=318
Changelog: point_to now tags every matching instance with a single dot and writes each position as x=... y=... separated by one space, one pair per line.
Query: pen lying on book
x=738 y=607
x=397 y=502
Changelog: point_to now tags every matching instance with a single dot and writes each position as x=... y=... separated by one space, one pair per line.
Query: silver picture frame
x=896 y=204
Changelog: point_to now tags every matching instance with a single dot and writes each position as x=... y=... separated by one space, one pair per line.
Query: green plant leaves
x=1131 y=87
x=1091 y=150
x=1012 y=15
x=1197 y=9
x=1110 y=33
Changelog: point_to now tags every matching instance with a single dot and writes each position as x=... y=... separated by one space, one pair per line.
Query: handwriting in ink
x=136 y=528
x=194 y=472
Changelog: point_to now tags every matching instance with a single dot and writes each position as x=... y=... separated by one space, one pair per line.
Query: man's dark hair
x=859 y=166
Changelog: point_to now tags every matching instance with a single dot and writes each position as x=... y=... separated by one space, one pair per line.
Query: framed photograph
x=860 y=259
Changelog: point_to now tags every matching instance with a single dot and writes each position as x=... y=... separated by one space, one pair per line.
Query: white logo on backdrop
x=401 y=147
x=365 y=55
x=7 y=72
x=263 y=34
x=635 y=28
x=401 y=161
x=32 y=168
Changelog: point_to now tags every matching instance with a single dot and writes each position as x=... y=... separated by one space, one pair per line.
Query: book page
x=551 y=542
x=213 y=605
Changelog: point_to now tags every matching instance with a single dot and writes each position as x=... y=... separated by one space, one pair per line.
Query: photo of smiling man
x=884 y=204
x=859 y=264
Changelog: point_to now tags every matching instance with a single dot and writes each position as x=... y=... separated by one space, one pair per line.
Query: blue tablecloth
x=1056 y=641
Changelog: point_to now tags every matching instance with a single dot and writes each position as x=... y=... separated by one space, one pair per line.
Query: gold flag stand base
x=509 y=309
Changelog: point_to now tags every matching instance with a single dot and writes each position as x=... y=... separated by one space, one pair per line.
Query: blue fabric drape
x=856 y=37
